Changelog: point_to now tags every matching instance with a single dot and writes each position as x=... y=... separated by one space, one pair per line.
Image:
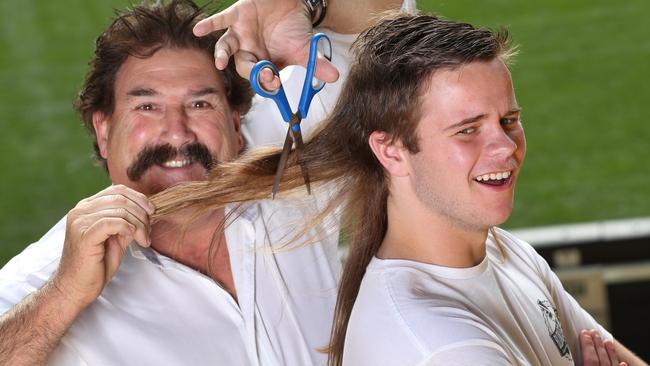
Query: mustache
x=157 y=155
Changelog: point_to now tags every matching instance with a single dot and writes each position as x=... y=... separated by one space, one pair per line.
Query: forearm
x=349 y=17
x=32 y=329
x=628 y=356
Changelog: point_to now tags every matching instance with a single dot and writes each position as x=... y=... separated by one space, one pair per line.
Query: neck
x=416 y=233
x=190 y=242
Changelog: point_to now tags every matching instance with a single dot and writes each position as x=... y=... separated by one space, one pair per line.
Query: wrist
x=66 y=296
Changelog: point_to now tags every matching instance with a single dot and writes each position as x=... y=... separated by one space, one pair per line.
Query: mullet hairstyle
x=140 y=32
x=394 y=61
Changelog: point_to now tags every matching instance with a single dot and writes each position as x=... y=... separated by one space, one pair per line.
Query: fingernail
x=222 y=54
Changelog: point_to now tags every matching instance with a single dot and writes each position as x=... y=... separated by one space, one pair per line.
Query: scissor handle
x=278 y=95
x=313 y=85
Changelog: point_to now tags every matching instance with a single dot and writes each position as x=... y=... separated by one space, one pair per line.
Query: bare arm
x=98 y=230
x=349 y=17
x=628 y=356
x=32 y=329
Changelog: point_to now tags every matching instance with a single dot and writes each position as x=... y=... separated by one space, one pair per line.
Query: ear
x=101 y=125
x=391 y=154
x=236 y=120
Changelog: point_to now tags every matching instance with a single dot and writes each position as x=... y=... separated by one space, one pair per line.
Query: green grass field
x=581 y=80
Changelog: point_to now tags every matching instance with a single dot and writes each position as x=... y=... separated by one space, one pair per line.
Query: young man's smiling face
x=472 y=145
x=177 y=98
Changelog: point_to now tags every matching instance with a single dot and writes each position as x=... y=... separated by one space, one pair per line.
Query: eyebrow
x=205 y=91
x=479 y=117
x=141 y=92
x=148 y=92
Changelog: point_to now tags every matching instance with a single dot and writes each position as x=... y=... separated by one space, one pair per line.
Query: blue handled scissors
x=320 y=46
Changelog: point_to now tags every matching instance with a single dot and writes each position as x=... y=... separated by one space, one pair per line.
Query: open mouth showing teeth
x=176 y=163
x=494 y=179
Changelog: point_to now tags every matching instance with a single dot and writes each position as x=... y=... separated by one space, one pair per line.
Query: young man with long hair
x=424 y=148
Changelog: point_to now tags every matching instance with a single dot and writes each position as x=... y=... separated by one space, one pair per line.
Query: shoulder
x=510 y=241
x=405 y=307
x=29 y=270
x=515 y=248
x=38 y=255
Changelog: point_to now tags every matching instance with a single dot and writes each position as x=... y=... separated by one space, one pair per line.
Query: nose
x=176 y=125
x=501 y=144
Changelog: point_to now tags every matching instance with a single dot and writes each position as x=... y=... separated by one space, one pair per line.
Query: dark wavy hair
x=140 y=32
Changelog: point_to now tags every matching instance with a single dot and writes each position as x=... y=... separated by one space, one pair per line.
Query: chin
x=494 y=216
x=150 y=186
x=501 y=217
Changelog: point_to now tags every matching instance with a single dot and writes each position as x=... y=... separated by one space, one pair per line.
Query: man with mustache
x=106 y=286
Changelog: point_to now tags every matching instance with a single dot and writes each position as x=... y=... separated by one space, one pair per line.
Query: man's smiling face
x=174 y=99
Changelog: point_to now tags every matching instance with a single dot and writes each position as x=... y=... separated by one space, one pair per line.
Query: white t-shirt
x=157 y=311
x=510 y=311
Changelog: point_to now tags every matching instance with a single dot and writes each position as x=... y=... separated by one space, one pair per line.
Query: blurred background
x=581 y=78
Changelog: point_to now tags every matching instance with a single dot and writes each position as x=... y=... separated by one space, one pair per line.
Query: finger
x=221 y=20
x=115 y=249
x=244 y=62
x=130 y=212
x=117 y=201
x=326 y=71
x=600 y=348
x=140 y=232
x=106 y=227
x=269 y=80
x=225 y=47
x=611 y=352
x=589 y=354
x=135 y=196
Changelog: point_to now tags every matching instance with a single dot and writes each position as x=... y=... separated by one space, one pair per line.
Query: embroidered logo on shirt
x=554 y=328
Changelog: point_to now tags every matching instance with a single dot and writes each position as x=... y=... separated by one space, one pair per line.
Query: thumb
x=115 y=248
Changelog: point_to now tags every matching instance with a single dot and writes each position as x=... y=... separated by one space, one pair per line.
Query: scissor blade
x=288 y=141
x=297 y=138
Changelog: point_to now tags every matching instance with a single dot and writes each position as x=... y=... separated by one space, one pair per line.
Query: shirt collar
x=245 y=211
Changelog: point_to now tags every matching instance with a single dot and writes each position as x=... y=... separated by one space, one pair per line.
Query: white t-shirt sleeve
x=469 y=353
x=573 y=317
x=29 y=270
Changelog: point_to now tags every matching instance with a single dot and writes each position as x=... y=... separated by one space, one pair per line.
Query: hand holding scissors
x=320 y=46
x=277 y=30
